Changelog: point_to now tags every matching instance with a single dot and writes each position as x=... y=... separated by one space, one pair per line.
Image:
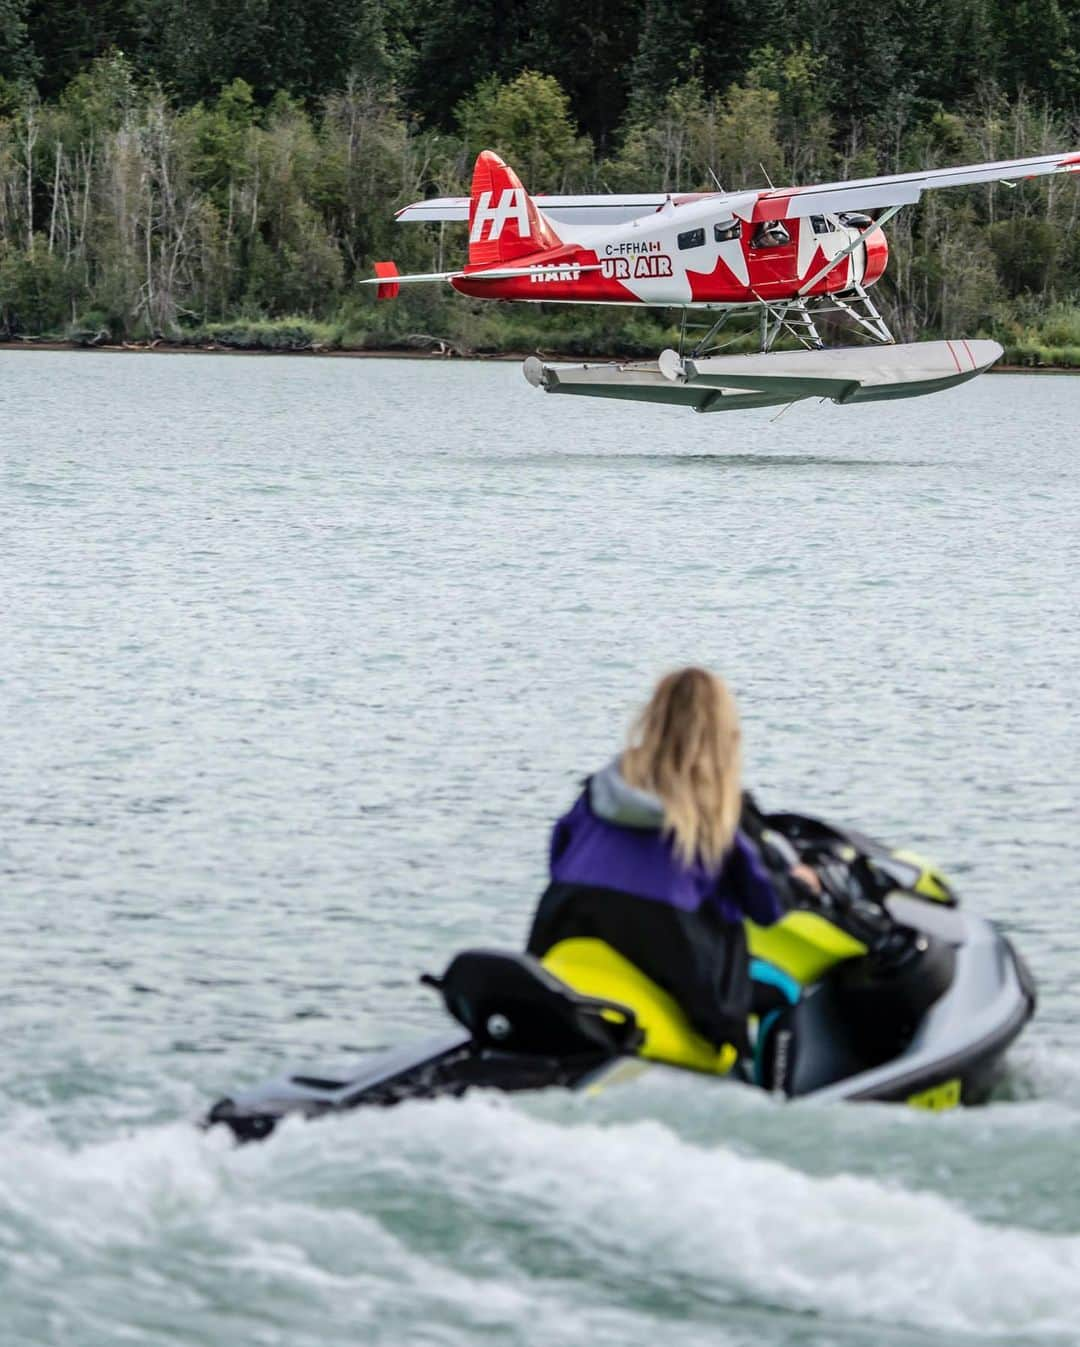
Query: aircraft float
x=790 y=255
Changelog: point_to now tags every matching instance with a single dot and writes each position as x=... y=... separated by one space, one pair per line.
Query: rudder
x=388 y=287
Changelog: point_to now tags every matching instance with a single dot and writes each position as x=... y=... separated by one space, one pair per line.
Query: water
x=301 y=657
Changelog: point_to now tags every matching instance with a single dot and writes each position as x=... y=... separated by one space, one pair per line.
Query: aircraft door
x=772 y=257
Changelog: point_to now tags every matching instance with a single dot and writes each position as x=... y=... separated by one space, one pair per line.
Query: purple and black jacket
x=615 y=877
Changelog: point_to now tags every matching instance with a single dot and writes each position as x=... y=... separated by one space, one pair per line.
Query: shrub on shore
x=1036 y=355
x=264 y=334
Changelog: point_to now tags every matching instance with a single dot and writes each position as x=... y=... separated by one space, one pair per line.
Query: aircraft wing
x=898 y=189
x=578 y=210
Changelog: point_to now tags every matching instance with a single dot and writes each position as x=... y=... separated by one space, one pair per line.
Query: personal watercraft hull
x=929 y=1029
x=955 y=1053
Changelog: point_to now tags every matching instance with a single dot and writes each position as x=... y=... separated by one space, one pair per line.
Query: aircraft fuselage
x=694 y=252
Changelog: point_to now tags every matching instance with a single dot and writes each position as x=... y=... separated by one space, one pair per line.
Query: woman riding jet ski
x=651 y=860
x=677 y=919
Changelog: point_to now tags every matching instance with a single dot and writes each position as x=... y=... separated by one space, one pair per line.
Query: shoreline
x=179 y=348
x=384 y=353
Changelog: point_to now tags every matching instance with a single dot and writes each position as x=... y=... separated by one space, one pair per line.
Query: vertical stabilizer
x=504 y=222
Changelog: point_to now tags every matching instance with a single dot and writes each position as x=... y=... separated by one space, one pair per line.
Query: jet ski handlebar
x=854 y=882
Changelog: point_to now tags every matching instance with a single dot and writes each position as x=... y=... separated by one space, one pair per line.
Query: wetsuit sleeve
x=749 y=883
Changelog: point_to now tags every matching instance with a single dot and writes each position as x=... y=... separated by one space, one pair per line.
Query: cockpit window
x=820 y=224
x=730 y=229
x=693 y=238
x=771 y=234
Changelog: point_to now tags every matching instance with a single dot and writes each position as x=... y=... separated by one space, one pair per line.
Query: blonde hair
x=685 y=749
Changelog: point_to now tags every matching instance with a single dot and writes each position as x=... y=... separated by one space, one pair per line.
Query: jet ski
x=878 y=988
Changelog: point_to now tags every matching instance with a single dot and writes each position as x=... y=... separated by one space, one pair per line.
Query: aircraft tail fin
x=504 y=221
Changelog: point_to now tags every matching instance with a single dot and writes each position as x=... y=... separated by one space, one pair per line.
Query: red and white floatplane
x=792 y=256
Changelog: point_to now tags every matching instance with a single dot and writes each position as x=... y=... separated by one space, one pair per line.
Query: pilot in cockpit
x=770 y=234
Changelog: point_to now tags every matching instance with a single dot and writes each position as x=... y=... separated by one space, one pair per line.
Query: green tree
x=306 y=49
x=674 y=37
x=219 y=137
x=672 y=146
x=370 y=165
x=748 y=144
x=589 y=46
x=1039 y=49
x=528 y=121
x=66 y=37
x=17 y=60
x=1026 y=252
x=100 y=97
x=800 y=80
x=36 y=290
x=457 y=46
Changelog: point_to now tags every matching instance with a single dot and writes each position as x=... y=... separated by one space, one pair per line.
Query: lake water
x=299 y=660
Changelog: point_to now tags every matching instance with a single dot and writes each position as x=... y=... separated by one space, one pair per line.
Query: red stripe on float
x=953 y=354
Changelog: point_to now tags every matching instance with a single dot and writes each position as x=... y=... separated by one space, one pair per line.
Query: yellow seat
x=802 y=944
x=593 y=968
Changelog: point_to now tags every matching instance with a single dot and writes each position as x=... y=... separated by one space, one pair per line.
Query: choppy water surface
x=300 y=658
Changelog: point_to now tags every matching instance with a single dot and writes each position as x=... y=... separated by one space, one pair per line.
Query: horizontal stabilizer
x=508 y=273
x=487 y=274
x=380 y=280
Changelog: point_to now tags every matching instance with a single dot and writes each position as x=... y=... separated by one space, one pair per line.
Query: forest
x=222 y=172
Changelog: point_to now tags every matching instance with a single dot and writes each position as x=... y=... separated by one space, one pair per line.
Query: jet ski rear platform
x=527 y=1031
x=884 y=990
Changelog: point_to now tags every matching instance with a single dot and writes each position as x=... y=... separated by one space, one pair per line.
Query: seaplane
x=791 y=256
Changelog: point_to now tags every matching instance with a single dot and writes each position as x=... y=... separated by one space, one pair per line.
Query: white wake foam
x=455 y=1221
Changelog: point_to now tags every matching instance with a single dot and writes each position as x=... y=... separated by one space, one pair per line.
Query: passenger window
x=771 y=234
x=820 y=224
x=724 y=233
x=693 y=238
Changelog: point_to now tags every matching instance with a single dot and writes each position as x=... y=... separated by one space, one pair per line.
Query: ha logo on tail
x=512 y=201
x=504 y=222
